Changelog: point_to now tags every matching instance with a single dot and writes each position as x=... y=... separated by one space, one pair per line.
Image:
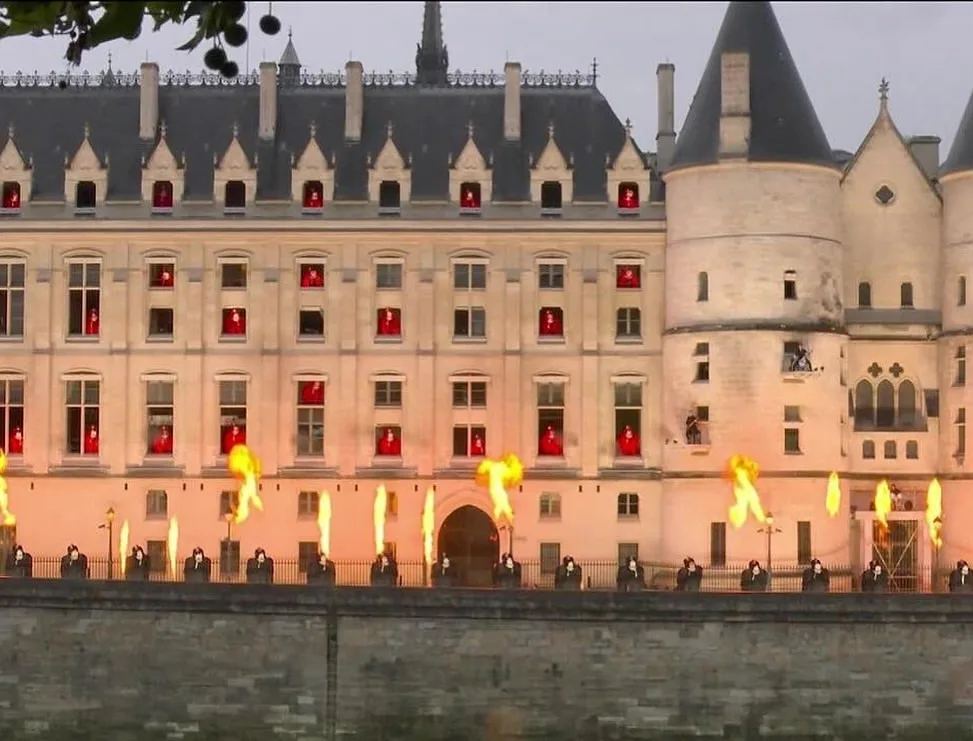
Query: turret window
x=235 y=196
x=702 y=287
x=790 y=286
x=905 y=296
x=961 y=291
x=864 y=295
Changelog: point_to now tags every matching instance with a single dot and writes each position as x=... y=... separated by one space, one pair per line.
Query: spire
x=783 y=124
x=432 y=59
x=289 y=66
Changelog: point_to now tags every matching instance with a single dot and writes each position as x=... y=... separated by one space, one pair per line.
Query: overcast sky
x=842 y=50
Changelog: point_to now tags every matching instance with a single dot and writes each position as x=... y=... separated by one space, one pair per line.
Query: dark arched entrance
x=470 y=539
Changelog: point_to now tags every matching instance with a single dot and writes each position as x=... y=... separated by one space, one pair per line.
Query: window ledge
x=11 y=338
x=628 y=461
x=239 y=338
x=551 y=340
x=464 y=340
x=160 y=338
x=388 y=339
x=696 y=449
x=464 y=461
x=628 y=518
x=387 y=461
x=793 y=452
x=311 y=339
x=795 y=376
x=550 y=461
x=628 y=340
x=87 y=465
x=92 y=338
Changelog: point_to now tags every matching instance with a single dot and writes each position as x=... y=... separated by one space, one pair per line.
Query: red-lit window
x=11 y=196
x=162 y=195
x=233 y=415
x=310 y=393
x=389 y=322
x=12 y=416
x=388 y=441
x=234 y=322
x=470 y=198
x=310 y=418
x=313 y=196
x=628 y=276
x=469 y=441
x=628 y=196
x=551 y=322
x=159 y=415
x=162 y=275
x=312 y=275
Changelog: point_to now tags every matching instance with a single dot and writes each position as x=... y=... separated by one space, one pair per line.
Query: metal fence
x=597 y=574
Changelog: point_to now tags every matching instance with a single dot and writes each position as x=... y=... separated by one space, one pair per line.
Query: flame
x=744 y=473
x=172 y=545
x=429 y=524
x=934 y=512
x=379 y=513
x=324 y=522
x=498 y=476
x=244 y=464
x=833 y=499
x=883 y=504
x=7 y=518
x=123 y=547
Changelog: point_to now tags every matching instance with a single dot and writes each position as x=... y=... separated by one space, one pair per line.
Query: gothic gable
x=162 y=166
x=85 y=167
x=234 y=167
x=552 y=167
x=14 y=169
x=312 y=167
x=627 y=172
x=389 y=166
x=468 y=168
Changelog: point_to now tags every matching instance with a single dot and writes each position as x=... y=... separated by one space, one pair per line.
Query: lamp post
x=225 y=554
x=770 y=531
x=109 y=525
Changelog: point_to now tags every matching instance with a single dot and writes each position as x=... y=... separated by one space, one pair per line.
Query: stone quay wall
x=108 y=661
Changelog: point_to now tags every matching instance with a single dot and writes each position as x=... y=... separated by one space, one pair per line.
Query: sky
x=843 y=50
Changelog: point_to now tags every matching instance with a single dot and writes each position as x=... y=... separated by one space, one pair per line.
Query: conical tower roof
x=960 y=158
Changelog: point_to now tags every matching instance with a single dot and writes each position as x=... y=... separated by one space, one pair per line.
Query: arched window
x=907 y=404
x=912 y=450
x=905 y=296
x=868 y=449
x=702 y=287
x=889 y=451
x=864 y=405
x=864 y=295
x=885 y=406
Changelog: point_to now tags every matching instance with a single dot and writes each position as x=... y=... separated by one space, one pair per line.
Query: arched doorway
x=470 y=539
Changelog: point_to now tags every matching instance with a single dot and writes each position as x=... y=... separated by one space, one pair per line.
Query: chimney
x=665 y=138
x=354 y=101
x=511 y=102
x=149 y=101
x=268 y=101
x=735 y=104
x=926 y=151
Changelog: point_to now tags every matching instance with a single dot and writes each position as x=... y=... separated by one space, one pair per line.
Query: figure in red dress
x=91 y=441
x=234 y=322
x=550 y=324
x=11 y=199
x=163 y=196
x=389 y=444
x=162 y=445
x=628 y=442
x=628 y=277
x=628 y=198
x=165 y=277
x=550 y=443
x=312 y=392
x=15 y=445
x=477 y=445
x=92 y=324
x=389 y=323
x=469 y=199
x=312 y=198
x=311 y=277
x=232 y=436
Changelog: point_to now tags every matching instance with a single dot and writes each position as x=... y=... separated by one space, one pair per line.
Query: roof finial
x=236 y=129
x=313 y=129
x=550 y=130
x=87 y=130
x=388 y=129
x=163 y=129
x=628 y=127
x=594 y=71
x=290 y=33
x=109 y=61
x=470 y=128
x=883 y=90
x=10 y=131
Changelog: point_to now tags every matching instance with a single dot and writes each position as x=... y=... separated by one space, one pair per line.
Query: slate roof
x=784 y=125
x=960 y=156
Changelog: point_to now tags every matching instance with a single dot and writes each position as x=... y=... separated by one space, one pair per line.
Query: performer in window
x=311 y=277
x=389 y=323
x=627 y=276
x=92 y=324
x=91 y=441
x=233 y=435
x=550 y=443
x=389 y=444
x=15 y=445
x=551 y=324
x=234 y=322
x=628 y=442
x=312 y=393
x=162 y=443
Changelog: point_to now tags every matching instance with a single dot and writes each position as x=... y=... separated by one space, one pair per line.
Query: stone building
x=379 y=279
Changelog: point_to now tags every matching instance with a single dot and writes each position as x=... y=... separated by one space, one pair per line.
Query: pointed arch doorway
x=470 y=539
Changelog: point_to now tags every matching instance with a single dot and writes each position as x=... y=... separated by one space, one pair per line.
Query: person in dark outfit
x=74 y=564
x=815 y=578
x=568 y=575
x=960 y=579
x=690 y=577
x=442 y=573
x=875 y=579
x=754 y=578
x=385 y=572
x=21 y=564
x=507 y=573
x=321 y=572
x=631 y=576
x=137 y=565
x=260 y=568
x=198 y=567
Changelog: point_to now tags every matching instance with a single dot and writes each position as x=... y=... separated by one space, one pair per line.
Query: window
x=162 y=275
x=161 y=197
x=550 y=197
x=12 y=286
x=960 y=378
x=312 y=196
x=310 y=419
x=885 y=405
x=912 y=450
x=550 y=419
x=233 y=275
x=792 y=440
x=157 y=551
x=389 y=196
x=85 y=196
x=469 y=394
x=235 y=196
x=628 y=324
x=804 y=553
x=717 y=544
x=388 y=441
x=628 y=277
x=864 y=295
x=550 y=558
x=388 y=324
x=628 y=550
x=961 y=291
x=307 y=505
x=12 y=417
x=84 y=299
x=160 y=323
x=628 y=197
x=159 y=417
x=229 y=501
x=701 y=354
x=469 y=323
x=930 y=398
x=388 y=394
x=628 y=419
x=307 y=553
x=233 y=324
x=388 y=276
x=702 y=287
x=960 y=432
x=469 y=276
x=905 y=296
x=889 y=451
x=391 y=505
x=908 y=413
x=792 y=414
x=233 y=415
x=312 y=275
x=469 y=441
x=864 y=406
x=156 y=504
x=628 y=505
x=792 y=354
x=868 y=450
x=229 y=558
x=550 y=506
x=83 y=417
x=310 y=324
x=790 y=286
x=10 y=194
x=550 y=276
x=551 y=323
x=470 y=198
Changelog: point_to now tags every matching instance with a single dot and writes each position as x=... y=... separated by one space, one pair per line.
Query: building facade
x=377 y=280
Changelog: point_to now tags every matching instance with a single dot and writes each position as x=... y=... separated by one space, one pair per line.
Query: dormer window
x=85 y=197
x=162 y=197
x=470 y=198
x=11 y=198
x=389 y=198
x=550 y=199
x=313 y=196
x=235 y=197
x=628 y=198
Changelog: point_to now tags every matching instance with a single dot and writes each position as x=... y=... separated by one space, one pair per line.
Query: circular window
x=885 y=195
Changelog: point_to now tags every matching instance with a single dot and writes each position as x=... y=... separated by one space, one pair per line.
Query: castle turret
x=956 y=181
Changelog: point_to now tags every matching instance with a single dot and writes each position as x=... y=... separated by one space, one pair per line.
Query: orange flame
x=833 y=500
x=324 y=522
x=379 y=513
x=172 y=546
x=123 y=547
x=744 y=473
x=244 y=464
x=934 y=512
x=497 y=476
x=429 y=525
x=7 y=518
x=883 y=504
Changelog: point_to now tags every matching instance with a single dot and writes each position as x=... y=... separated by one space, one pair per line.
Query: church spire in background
x=432 y=59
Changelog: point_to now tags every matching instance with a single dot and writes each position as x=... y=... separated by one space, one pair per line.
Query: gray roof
x=784 y=126
x=960 y=156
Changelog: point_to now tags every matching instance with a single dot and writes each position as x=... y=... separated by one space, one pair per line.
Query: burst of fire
x=934 y=512
x=246 y=466
x=833 y=500
x=324 y=522
x=497 y=476
x=883 y=504
x=172 y=546
x=744 y=473
x=379 y=513
x=429 y=525
x=123 y=547
x=7 y=518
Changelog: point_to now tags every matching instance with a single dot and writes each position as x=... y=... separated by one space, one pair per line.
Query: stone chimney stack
x=735 y=104
x=268 y=101
x=665 y=138
x=926 y=151
x=511 y=102
x=354 y=100
x=148 y=101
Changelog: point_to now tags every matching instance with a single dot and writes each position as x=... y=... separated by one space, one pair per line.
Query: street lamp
x=109 y=525
x=770 y=531
x=226 y=550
